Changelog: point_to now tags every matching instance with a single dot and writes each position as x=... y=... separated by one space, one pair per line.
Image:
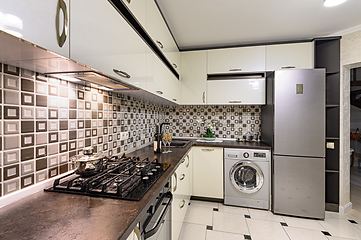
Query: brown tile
x=27 y=140
x=27 y=154
x=41 y=164
x=41 y=126
x=27 y=99
x=53 y=172
x=27 y=85
x=63 y=125
x=63 y=168
x=27 y=181
x=27 y=126
x=11 y=112
x=11 y=70
x=72 y=104
x=41 y=101
x=11 y=172
x=72 y=135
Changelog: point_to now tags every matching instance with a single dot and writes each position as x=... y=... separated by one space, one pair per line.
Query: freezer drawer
x=299 y=186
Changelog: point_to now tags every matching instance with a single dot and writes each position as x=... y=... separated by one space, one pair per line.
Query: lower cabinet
x=181 y=190
x=208 y=172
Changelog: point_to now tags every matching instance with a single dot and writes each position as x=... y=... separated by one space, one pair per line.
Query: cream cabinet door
x=103 y=40
x=194 y=77
x=208 y=172
x=237 y=60
x=42 y=22
x=237 y=91
x=158 y=31
x=295 y=55
x=138 y=9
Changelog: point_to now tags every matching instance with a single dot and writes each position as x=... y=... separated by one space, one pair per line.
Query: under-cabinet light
x=331 y=3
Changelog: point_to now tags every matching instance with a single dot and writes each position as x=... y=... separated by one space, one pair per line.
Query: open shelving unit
x=327 y=55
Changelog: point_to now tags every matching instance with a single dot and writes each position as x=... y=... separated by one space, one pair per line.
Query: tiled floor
x=214 y=221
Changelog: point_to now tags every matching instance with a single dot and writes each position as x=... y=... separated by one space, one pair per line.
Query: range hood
x=21 y=53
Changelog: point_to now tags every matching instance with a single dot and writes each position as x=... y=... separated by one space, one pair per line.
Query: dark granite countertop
x=45 y=215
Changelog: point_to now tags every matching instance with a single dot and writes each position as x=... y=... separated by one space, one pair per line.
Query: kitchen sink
x=180 y=143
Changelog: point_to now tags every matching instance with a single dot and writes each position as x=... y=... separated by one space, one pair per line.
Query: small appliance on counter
x=115 y=177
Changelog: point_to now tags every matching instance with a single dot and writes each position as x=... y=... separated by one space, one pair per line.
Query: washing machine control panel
x=259 y=155
x=246 y=155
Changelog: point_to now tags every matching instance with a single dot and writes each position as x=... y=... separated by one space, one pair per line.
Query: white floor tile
x=214 y=235
x=304 y=234
x=199 y=215
x=236 y=210
x=265 y=215
x=340 y=227
x=303 y=223
x=335 y=215
x=228 y=222
x=337 y=238
x=197 y=203
x=266 y=230
x=193 y=232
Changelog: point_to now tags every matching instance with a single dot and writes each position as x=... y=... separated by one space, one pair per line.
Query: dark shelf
x=333 y=89
x=332 y=155
x=332 y=187
x=331 y=73
x=333 y=122
x=327 y=55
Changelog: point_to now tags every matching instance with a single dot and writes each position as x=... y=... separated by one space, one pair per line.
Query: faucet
x=161 y=126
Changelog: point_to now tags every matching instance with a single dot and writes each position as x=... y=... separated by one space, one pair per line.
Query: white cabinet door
x=158 y=31
x=180 y=189
x=194 y=77
x=237 y=60
x=42 y=22
x=103 y=40
x=295 y=55
x=161 y=81
x=138 y=9
x=237 y=91
x=208 y=172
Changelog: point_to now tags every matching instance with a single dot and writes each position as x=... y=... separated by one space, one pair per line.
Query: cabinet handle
x=235 y=69
x=159 y=92
x=183 y=203
x=175 y=65
x=182 y=177
x=204 y=97
x=174 y=99
x=288 y=67
x=183 y=160
x=208 y=149
x=238 y=101
x=61 y=38
x=188 y=162
x=160 y=44
x=175 y=182
x=137 y=232
x=129 y=1
x=121 y=73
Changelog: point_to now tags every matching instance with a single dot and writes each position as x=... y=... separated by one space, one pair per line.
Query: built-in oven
x=156 y=223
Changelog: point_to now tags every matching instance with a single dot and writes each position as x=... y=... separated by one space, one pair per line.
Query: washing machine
x=247 y=177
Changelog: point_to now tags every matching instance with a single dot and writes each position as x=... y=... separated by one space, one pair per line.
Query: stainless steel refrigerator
x=293 y=122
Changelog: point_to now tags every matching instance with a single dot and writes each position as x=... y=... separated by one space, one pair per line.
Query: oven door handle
x=153 y=231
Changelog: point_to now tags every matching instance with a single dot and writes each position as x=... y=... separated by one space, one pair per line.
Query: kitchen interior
x=136 y=124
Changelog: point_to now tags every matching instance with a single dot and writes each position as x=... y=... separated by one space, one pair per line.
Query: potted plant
x=209 y=135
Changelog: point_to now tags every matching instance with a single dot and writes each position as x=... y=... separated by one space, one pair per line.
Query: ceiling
x=200 y=24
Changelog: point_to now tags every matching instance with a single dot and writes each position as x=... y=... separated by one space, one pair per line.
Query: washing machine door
x=246 y=177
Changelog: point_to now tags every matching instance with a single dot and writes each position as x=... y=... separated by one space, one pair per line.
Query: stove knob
x=151 y=176
x=155 y=171
x=145 y=181
x=246 y=155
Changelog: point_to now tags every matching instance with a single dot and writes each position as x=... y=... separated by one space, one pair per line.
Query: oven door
x=157 y=226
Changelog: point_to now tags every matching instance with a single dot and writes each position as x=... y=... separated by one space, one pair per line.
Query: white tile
x=303 y=223
x=214 y=235
x=196 y=203
x=304 y=234
x=265 y=215
x=228 y=222
x=266 y=230
x=340 y=227
x=199 y=215
x=192 y=232
x=230 y=209
x=334 y=215
x=337 y=238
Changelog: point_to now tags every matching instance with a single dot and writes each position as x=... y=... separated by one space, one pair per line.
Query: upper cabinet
x=109 y=45
x=42 y=22
x=138 y=9
x=237 y=60
x=194 y=77
x=159 y=32
x=295 y=55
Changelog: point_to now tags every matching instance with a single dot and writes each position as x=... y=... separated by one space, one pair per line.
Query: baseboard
x=345 y=209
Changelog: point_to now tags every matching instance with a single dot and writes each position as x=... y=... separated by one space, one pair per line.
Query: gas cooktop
x=123 y=178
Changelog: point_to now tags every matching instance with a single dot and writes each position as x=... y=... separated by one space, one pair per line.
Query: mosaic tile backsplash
x=45 y=121
x=234 y=121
